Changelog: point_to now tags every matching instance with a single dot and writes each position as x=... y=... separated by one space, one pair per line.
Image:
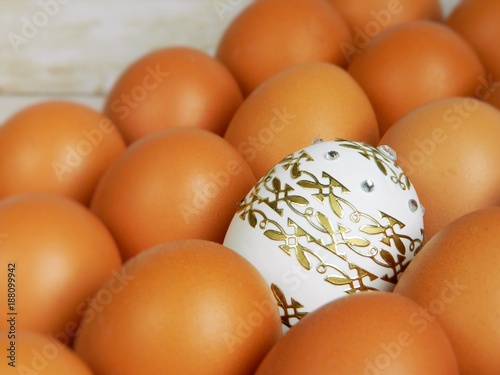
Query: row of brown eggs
x=111 y=224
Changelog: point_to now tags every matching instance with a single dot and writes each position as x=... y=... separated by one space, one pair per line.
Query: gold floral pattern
x=321 y=240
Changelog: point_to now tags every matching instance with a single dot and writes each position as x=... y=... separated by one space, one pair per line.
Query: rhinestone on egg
x=413 y=204
x=388 y=152
x=317 y=140
x=332 y=155
x=368 y=186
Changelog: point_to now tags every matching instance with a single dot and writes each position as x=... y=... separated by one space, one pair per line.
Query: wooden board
x=76 y=49
x=81 y=46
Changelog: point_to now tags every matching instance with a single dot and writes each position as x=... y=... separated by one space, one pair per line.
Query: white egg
x=335 y=218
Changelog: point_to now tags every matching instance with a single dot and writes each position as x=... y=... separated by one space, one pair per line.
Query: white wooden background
x=77 y=48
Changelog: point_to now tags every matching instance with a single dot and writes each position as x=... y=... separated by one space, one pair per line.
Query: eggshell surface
x=35 y=353
x=455 y=277
x=173 y=87
x=449 y=149
x=366 y=333
x=290 y=110
x=478 y=22
x=493 y=96
x=269 y=36
x=58 y=254
x=57 y=147
x=359 y=13
x=368 y=19
x=174 y=184
x=413 y=64
x=190 y=307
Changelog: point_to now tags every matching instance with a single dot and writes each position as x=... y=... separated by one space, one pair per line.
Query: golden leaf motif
x=276 y=184
x=338 y=280
x=301 y=257
x=295 y=171
x=279 y=295
x=387 y=256
x=372 y=229
x=353 y=241
x=309 y=184
x=252 y=219
x=399 y=244
x=381 y=166
x=297 y=200
x=275 y=235
x=356 y=242
x=335 y=205
x=325 y=223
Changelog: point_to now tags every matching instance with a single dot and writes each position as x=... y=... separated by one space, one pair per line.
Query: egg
x=173 y=87
x=367 y=19
x=412 y=64
x=370 y=333
x=269 y=36
x=449 y=149
x=493 y=96
x=56 y=147
x=478 y=22
x=455 y=277
x=304 y=102
x=33 y=353
x=191 y=307
x=55 y=254
x=175 y=184
x=335 y=218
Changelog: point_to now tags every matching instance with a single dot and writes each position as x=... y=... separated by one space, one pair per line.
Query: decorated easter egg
x=335 y=218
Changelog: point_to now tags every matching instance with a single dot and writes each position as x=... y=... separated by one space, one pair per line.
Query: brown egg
x=449 y=149
x=493 y=97
x=290 y=110
x=455 y=277
x=173 y=87
x=272 y=35
x=55 y=254
x=413 y=64
x=32 y=353
x=478 y=22
x=191 y=307
x=174 y=184
x=56 y=147
x=367 y=19
x=370 y=333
